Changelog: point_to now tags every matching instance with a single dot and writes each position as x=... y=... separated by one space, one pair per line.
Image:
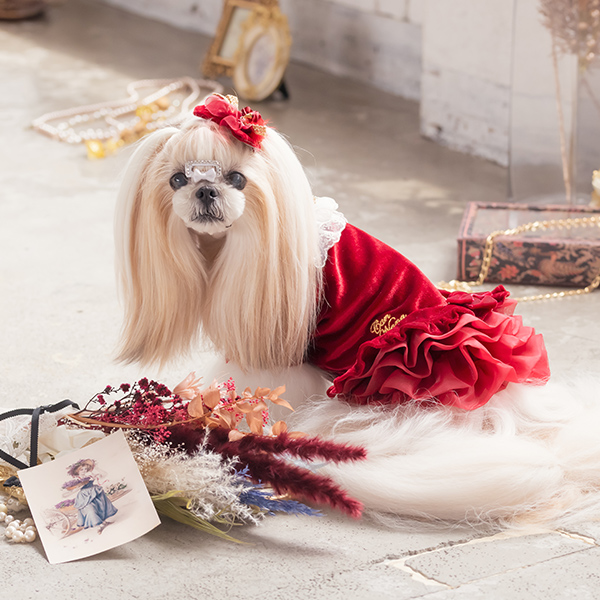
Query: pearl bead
x=28 y=522
x=8 y=532
x=29 y=535
x=9 y=519
x=18 y=536
x=2 y=515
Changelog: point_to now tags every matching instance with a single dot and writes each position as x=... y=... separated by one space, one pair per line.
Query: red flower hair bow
x=246 y=125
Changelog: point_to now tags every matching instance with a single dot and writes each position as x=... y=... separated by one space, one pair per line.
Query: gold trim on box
x=548 y=225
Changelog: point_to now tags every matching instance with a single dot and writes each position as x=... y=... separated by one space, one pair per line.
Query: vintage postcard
x=89 y=501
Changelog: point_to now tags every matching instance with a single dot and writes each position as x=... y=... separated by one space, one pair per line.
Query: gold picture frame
x=263 y=54
x=221 y=57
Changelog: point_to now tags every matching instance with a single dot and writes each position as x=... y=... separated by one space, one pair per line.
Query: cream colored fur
x=252 y=289
x=531 y=455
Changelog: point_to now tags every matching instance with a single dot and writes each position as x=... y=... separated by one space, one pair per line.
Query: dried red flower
x=263 y=458
x=151 y=407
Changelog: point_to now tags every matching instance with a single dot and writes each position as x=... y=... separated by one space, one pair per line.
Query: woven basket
x=21 y=9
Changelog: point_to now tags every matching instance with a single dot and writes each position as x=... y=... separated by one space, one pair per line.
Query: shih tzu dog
x=219 y=236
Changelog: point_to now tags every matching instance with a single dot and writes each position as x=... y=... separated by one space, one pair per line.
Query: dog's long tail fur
x=531 y=456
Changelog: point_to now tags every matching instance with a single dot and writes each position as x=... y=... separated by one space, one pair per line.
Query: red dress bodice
x=387 y=334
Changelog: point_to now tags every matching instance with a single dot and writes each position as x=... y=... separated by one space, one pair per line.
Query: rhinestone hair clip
x=203 y=170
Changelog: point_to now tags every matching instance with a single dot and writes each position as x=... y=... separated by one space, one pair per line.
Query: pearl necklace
x=106 y=126
x=16 y=530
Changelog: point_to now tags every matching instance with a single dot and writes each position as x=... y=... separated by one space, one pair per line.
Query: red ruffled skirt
x=458 y=354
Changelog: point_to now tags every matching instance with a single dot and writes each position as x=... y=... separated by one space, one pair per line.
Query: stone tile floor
x=60 y=318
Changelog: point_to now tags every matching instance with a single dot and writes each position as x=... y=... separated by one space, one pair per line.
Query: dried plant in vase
x=574 y=26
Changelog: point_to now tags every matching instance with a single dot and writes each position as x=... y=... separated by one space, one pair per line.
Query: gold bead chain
x=533 y=226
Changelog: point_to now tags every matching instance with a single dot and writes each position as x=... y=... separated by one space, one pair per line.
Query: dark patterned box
x=559 y=257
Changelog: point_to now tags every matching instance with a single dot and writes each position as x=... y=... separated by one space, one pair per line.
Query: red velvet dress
x=387 y=335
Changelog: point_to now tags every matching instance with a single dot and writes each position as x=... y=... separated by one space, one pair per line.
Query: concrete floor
x=60 y=317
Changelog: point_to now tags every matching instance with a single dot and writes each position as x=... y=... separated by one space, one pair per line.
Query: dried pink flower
x=189 y=388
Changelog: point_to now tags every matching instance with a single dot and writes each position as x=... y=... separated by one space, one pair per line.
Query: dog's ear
x=160 y=272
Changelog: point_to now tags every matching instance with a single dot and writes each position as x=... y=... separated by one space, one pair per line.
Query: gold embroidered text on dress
x=383 y=325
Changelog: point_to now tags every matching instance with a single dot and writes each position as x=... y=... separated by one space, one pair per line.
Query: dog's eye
x=237 y=180
x=178 y=181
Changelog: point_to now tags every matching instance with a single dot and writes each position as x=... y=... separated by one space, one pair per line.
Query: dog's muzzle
x=207 y=195
x=208 y=209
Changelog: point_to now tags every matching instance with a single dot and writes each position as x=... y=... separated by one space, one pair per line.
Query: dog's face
x=254 y=291
x=208 y=177
x=206 y=198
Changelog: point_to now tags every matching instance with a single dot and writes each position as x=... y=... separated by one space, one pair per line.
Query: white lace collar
x=331 y=223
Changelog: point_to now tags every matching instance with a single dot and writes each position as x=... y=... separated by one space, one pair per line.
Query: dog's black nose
x=207 y=194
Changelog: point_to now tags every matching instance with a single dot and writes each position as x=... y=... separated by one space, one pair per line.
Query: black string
x=35 y=428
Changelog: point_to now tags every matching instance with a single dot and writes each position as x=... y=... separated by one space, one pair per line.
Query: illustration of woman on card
x=92 y=504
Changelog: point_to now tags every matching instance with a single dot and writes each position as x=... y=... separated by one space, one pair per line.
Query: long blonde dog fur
x=252 y=289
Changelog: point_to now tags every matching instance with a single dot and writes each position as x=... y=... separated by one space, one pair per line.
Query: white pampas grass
x=204 y=478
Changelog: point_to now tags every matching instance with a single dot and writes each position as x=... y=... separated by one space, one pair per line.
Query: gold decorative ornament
x=252 y=46
x=15 y=492
x=263 y=54
x=233 y=100
x=107 y=126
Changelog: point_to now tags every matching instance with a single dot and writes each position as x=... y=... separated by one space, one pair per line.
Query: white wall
x=452 y=55
x=467 y=48
x=374 y=41
x=197 y=15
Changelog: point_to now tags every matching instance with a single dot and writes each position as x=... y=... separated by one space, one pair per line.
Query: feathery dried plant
x=575 y=27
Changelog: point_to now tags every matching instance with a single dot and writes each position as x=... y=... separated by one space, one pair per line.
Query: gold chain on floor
x=533 y=226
